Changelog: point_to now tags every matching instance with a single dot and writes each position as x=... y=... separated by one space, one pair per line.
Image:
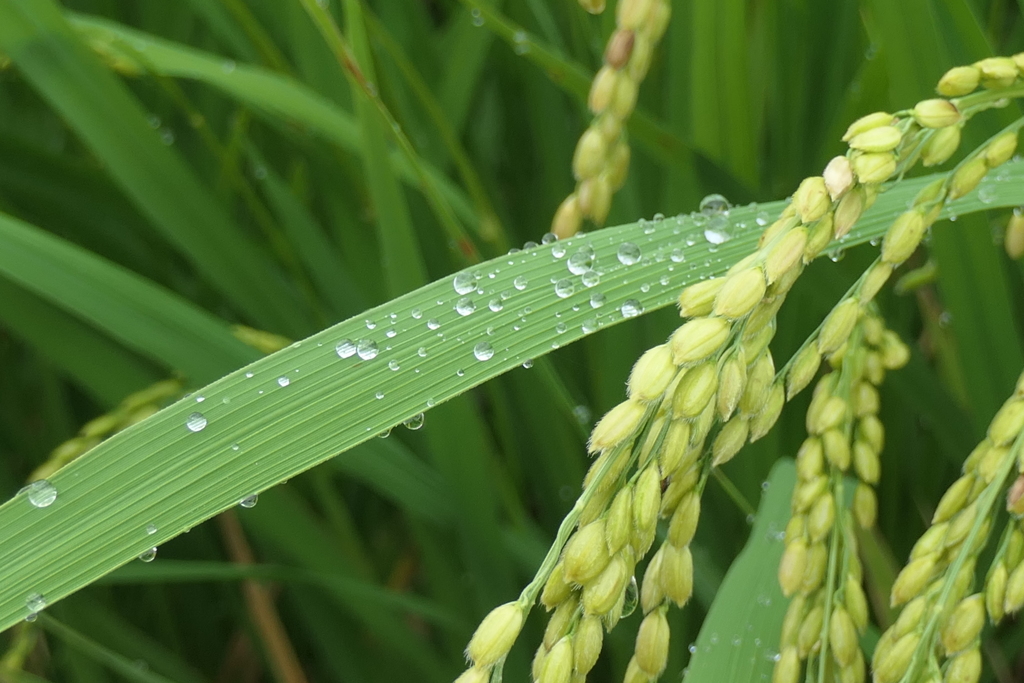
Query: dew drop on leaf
x=40 y=493
x=597 y=300
x=465 y=306
x=415 y=422
x=249 y=501
x=714 y=204
x=196 y=422
x=148 y=555
x=628 y=253
x=519 y=283
x=366 y=349
x=483 y=351
x=564 y=288
x=283 y=381
x=464 y=283
x=631 y=308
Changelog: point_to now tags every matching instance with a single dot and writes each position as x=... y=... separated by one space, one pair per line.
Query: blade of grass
x=99 y=654
x=264 y=90
x=739 y=638
x=144 y=317
x=298 y=407
x=111 y=122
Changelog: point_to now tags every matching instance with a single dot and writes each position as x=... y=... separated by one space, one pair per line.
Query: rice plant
x=286 y=266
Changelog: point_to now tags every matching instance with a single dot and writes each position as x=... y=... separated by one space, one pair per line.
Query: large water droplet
x=558 y=250
x=519 y=283
x=393 y=365
x=677 y=256
x=589 y=325
x=717 y=230
x=345 y=348
x=196 y=422
x=249 y=501
x=465 y=306
x=597 y=300
x=495 y=305
x=564 y=288
x=714 y=204
x=560 y=328
x=366 y=349
x=415 y=422
x=628 y=253
x=151 y=529
x=483 y=351
x=283 y=381
x=35 y=603
x=40 y=493
x=580 y=262
x=591 y=278
x=986 y=195
x=528 y=363
x=433 y=324
x=148 y=555
x=464 y=283
x=631 y=308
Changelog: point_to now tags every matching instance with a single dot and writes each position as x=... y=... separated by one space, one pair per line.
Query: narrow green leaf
x=144 y=317
x=112 y=124
x=740 y=636
x=293 y=409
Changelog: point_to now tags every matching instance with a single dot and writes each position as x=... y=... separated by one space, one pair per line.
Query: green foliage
x=168 y=170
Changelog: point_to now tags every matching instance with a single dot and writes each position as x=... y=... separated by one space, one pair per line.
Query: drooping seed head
x=838 y=175
x=495 y=635
x=698 y=339
x=811 y=199
x=866 y=123
x=617 y=424
x=874 y=167
x=959 y=81
x=967 y=177
x=936 y=113
x=941 y=146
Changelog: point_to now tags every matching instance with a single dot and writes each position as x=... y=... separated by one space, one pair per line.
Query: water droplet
x=986 y=195
x=478 y=19
x=597 y=300
x=628 y=253
x=589 y=325
x=631 y=308
x=677 y=256
x=558 y=250
x=717 y=230
x=385 y=434
x=591 y=278
x=35 y=603
x=483 y=351
x=714 y=204
x=248 y=375
x=366 y=349
x=414 y=422
x=379 y=395
x=530 y=245
x=42 y=493
x=495 y=305
x=762 y=218
x=465 y=306
x=836 y=255
x=196 y=422
x=370 y=325
x=580 y=262
x=148 y=555
x=249 y=501
x=464 y=283
x=519 y=283
x=234 y=446
x=521 y=42
x=564 y=288
x=560 y=328
x=460 y=372
x=391 y=333
x=645 y=287
x=631 y=599
x=582 y=414
x=416 y=313
x=283 y=381
x=528 y=363
x=151 y=529
x=228 y=66
x=433 y=324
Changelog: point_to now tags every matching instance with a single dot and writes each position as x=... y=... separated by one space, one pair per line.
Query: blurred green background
x=218 y=149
